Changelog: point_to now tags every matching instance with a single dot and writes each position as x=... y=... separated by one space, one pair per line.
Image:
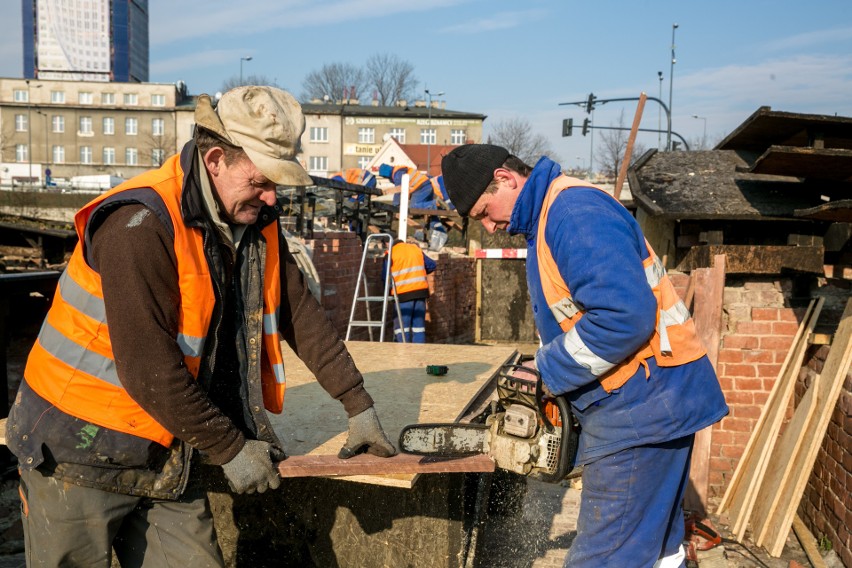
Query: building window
x=363 y=161
x=131 y=156
x=58 y=123
x=21 y=154
x=398 y=134
x=366 y=135
x=21 y=123
x=109 y=126
x=158 y=156
x=109 y=156
x=318 y=163
x=131 y=126
x=57 y=97
x=86 y=125
x=21 y=96
x=319 y=134
x=59 y=154
x=108 y=98
x=427 y=136
x=131 y=99
x=457 y=136
x=86 y=98
x=158 y=100
x=158 y=127
x=85 y=154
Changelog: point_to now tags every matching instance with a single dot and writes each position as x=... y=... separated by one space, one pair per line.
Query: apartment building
x=74 y=128
x=346 y=134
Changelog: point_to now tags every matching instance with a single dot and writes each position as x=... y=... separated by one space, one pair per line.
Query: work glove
x=366 y=434
x=252 y=469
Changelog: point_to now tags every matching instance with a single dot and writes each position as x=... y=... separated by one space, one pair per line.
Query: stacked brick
x=337 y=259
x=826 y=507
x=451 y=315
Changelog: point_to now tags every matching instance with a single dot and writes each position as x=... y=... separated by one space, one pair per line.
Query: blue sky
x=521 y=59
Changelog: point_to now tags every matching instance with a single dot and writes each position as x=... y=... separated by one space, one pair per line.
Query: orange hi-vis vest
x=407 y=268
x=72 y=364
x=674 y=341
x=416 y=178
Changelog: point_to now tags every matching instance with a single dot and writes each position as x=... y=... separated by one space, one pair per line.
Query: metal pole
x=704 y=136
x=29 y=136
x=660 y=112
x=591 y=145
x=248 y=58
x=429 y=141
x=671 y=88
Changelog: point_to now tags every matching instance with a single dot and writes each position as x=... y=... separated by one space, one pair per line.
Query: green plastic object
x=437 y=370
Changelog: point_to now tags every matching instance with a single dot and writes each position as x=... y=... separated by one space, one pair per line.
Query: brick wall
x=337 y=259
x=826 y=507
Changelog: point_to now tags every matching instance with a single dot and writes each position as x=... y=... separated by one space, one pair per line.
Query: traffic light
x=586 y=123
x=590 y=104
x=567 y=126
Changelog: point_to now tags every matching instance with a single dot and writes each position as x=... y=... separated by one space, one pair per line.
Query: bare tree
x=248 y=80
x=612 y=147
x=517 y=136
x=392 y=78
x=337 y=81
x=158 y=147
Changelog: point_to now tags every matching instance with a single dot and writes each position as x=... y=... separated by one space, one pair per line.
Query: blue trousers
x=413 y=322
x=630 y=509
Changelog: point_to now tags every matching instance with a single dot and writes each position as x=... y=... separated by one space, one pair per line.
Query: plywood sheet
x=313 y=423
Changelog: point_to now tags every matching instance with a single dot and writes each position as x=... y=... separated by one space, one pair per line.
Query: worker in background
x=162 y=348
x=616 y=341
x=409 y=267
x=421 y=194
x=356 y=176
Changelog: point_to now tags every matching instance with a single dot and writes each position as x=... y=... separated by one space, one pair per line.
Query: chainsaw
x=524 y=431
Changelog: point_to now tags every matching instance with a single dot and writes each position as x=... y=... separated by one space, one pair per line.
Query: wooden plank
x=709 y=291
x=313 y=423
x=741 y=491
x=756 y=259
x=808 y=542
x=826 y=392
x=365 y=464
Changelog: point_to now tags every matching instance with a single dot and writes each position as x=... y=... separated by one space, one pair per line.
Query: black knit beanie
x=468 y=170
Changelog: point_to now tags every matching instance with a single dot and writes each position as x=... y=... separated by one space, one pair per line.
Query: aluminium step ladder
x=362 y=293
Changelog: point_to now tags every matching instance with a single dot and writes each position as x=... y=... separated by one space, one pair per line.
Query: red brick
x=754 y=328
x=755 y=356
x=748 y=384
x=731 y=355
x=785 y=328
x=734 y=452
x=768 y=371
x=741 y=342
x=764 y=314
x=789 y=314
x=760 y=398
x=776 y=343
x=734 y=370
x=732 y=424
x=740 y=397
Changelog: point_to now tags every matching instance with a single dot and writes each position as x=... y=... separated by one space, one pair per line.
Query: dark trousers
x=630 y=509
x=413 y=322
x=69 y=525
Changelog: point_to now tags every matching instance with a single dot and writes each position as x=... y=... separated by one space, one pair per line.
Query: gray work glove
x=252 y=469
x=366 y=434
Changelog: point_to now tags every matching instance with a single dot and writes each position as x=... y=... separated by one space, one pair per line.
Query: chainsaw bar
x=445 y=440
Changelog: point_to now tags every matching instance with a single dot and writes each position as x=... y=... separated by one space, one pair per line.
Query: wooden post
x=625 y=163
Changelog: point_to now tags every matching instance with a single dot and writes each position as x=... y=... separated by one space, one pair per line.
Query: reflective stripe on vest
x=674 y=341
x=407 y=268
x=72 y=364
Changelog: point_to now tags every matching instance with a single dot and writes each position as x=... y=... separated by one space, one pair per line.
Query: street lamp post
x=30 y=132
x=671 y=88
x=429 y=141
x=703 y=136
x=660 y=112
x=46 y=146
x=246 y=58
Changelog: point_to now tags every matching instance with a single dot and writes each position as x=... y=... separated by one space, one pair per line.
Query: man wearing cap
x=616 y=341
x=162 y=349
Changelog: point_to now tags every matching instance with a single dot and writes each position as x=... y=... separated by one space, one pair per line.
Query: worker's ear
x=213 y=159
x=503 y=174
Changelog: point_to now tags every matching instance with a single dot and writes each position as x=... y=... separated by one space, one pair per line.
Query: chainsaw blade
x=445 y=440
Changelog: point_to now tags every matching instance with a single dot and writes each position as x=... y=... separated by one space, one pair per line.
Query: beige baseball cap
x=267 y=123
